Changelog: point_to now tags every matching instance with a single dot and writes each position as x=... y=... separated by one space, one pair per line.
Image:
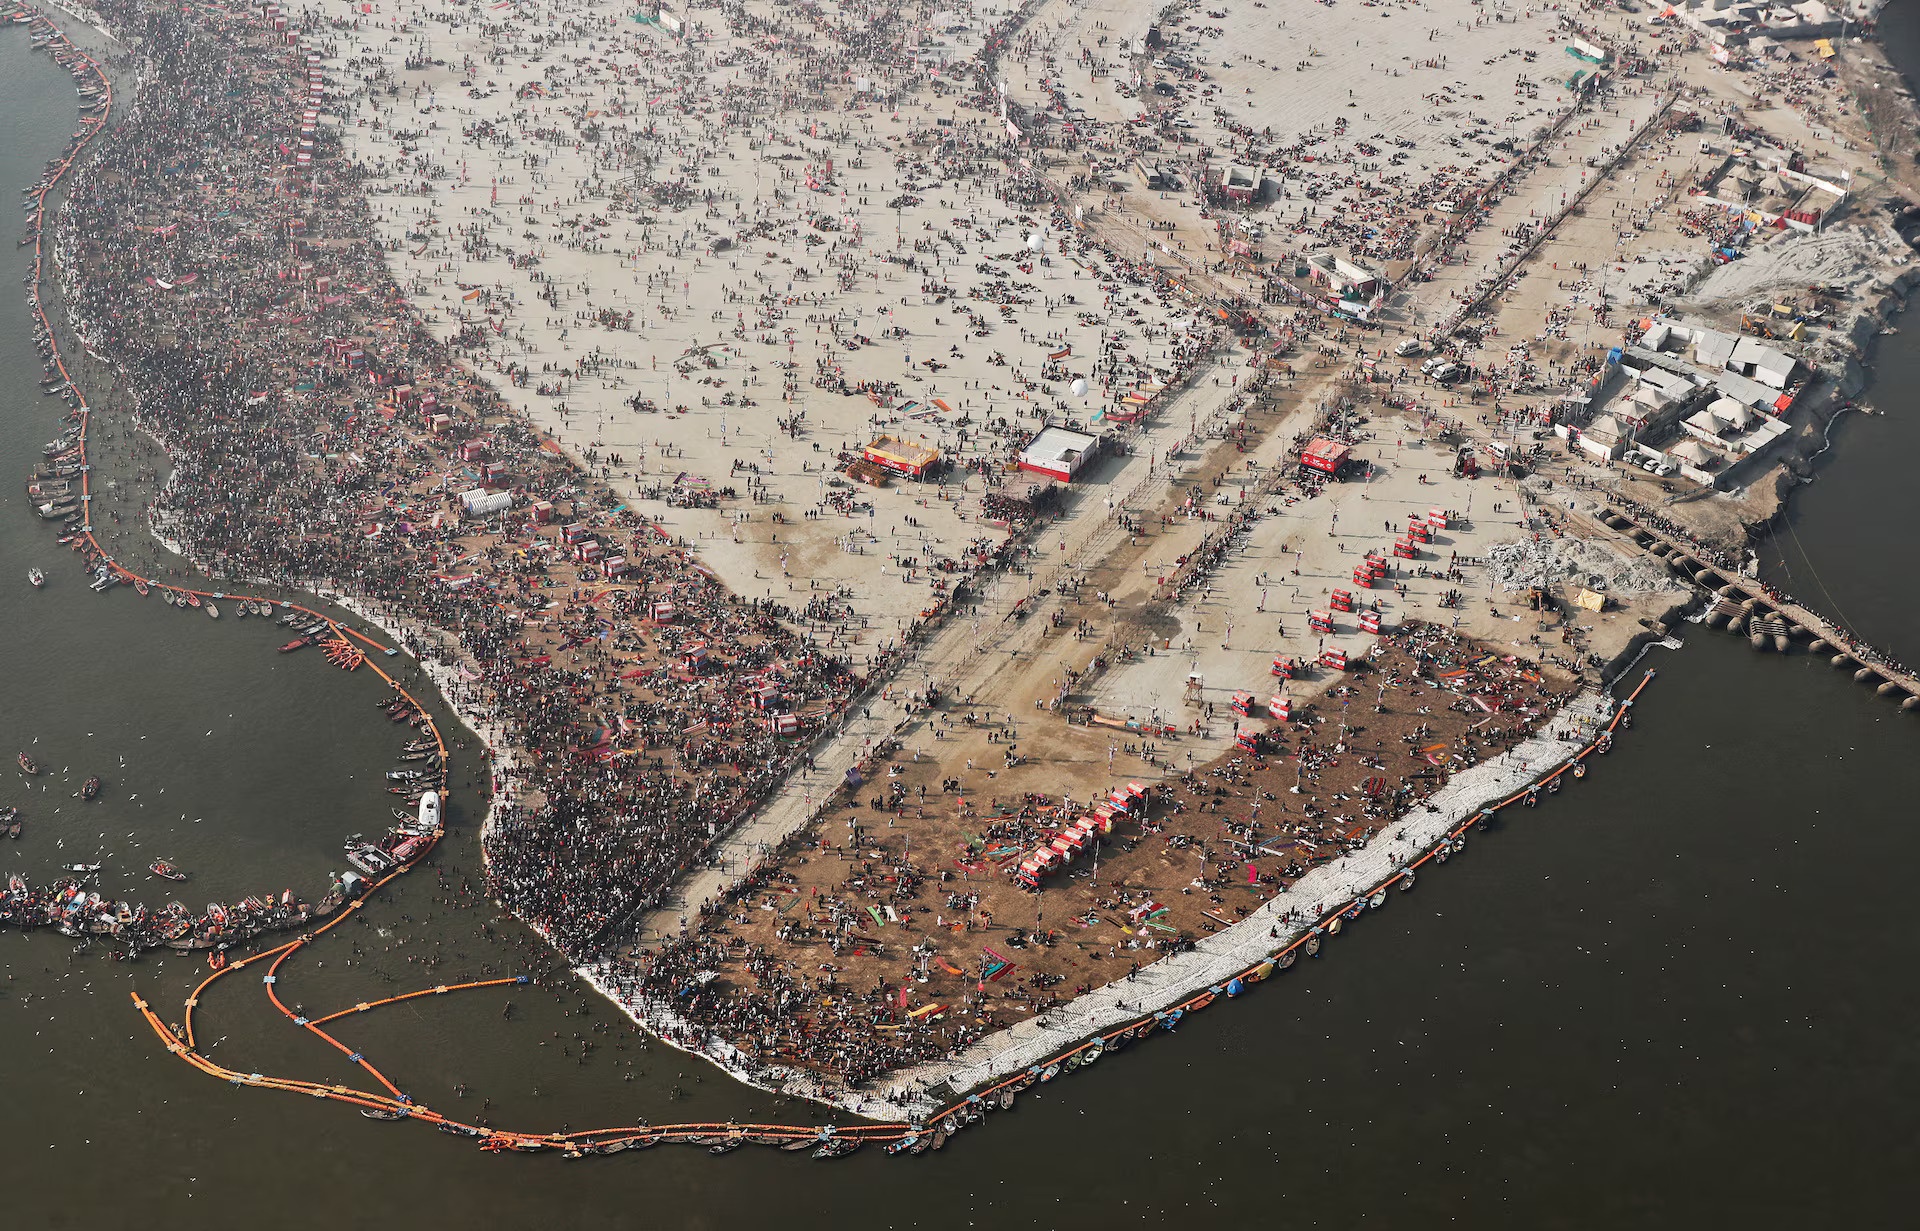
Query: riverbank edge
x=498 y=748
x=1275 y=925
x=1168 y=987
x=1174 y=978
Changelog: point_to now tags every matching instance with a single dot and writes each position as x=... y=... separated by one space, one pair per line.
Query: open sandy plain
x=714 y=262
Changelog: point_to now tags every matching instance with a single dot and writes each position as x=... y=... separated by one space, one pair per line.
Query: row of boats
x=94 y=102
x=57 y=489
x=69 y=907
x=54 y=485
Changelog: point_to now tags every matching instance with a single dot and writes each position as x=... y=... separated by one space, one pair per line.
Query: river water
x=1674 y=992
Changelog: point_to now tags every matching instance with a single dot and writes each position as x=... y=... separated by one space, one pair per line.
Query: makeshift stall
x=1326 y=456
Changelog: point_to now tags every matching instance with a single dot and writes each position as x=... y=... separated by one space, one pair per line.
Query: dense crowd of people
x=316 y=445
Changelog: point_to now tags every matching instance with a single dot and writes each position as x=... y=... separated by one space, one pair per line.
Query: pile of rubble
x=1554 y=562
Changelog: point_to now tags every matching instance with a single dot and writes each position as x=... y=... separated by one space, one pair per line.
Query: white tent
x=1693 y=453
x=1732 y=413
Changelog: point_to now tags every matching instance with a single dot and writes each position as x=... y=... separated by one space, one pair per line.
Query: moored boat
x=369 y=859
x=838 y=1147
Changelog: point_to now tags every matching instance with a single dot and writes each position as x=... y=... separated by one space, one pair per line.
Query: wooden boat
x=1313 y=945
x=296 y=643
x=162 y=868
x=90 y=789
x=193 y=600
x=140 y=587
x=27 y=766
x=383 y=1113
x=839 y=1147
x=801 y=1143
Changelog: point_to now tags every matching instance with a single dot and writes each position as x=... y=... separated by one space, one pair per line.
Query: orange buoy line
x=442 y=990
x=362 y=636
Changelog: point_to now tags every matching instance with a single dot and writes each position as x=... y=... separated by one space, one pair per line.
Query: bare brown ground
x=908 y=883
